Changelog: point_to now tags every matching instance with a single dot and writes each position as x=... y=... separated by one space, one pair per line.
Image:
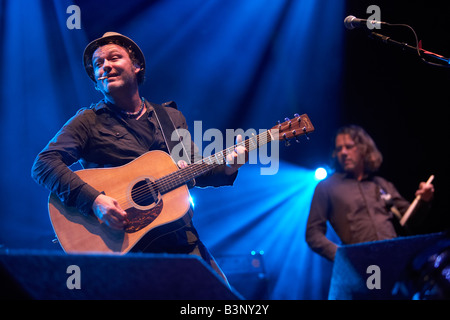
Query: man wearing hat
x=116 y=130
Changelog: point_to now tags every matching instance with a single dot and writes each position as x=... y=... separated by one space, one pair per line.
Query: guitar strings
x=172 y=180
x=176 y=178
x=166 y=183
x=169 y=182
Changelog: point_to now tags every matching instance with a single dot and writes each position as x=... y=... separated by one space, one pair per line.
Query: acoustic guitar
x=154 y=193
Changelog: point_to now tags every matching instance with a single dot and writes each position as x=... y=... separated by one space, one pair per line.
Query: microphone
x=351 y=22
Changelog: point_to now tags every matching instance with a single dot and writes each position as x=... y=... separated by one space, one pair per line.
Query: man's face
x=112 y=61
x=348 y=154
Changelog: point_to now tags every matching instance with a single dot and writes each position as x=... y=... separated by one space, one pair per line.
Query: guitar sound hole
x=144 y=193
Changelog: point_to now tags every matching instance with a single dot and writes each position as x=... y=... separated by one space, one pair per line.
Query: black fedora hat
x=108 y=36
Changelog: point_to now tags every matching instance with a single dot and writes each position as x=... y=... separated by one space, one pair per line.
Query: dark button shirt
x=98 y=137
x=355 y=209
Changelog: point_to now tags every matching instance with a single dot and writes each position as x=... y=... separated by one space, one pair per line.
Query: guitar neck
x=198 y=168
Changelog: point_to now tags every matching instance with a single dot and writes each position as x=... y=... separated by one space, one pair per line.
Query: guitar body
x=151 y=216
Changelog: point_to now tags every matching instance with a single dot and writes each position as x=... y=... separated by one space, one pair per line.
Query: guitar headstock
x=293 y=128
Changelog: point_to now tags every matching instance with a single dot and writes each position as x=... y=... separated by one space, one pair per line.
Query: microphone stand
x=405 y=46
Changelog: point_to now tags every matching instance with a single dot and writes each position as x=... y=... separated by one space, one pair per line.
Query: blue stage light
x=321 y=173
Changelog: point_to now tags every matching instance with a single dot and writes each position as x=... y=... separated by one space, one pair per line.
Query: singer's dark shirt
x=355 y=210
x=98 y=137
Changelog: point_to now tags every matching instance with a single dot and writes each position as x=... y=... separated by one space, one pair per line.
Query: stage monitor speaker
x=55 y=275
x=246 y=273
x=373 y=270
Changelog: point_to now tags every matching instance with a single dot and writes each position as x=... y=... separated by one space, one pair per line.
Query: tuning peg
x=288 y=120
x=286 y=141
x=306 y=133
x=296 y=115
x=294 y=133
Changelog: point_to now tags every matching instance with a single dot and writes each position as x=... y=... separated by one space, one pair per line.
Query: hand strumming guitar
x=108 y=210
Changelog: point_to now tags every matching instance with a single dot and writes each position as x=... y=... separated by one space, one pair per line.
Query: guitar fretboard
x=200 y=167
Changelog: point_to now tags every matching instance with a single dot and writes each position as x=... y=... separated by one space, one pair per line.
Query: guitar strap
x=167 y=128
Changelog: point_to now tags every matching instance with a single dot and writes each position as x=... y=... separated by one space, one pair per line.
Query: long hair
x=367 y=147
